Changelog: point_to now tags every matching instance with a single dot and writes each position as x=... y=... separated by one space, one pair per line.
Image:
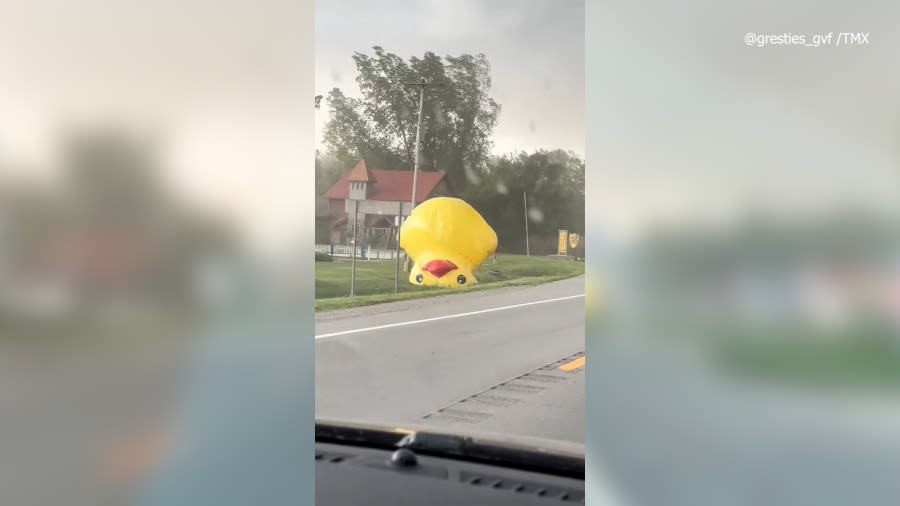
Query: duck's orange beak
x=438 y=268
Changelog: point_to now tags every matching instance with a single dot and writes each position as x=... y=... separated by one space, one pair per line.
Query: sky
x=535 y=48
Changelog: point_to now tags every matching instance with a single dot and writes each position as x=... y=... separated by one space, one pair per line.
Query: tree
x=30 y=215
x=458 y=116
x=113 y=186
x=111 y=201
x=329 y=170
x=554 y=183
x=110 y=178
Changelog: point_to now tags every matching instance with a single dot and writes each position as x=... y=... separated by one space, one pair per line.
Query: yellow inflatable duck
x=447 y=239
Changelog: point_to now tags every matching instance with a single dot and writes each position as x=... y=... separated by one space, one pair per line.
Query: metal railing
x=365 y=253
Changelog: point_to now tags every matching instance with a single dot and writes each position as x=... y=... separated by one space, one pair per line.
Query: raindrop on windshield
x=471 y=175
x=335 y=76
x=439 y=115
x=531 y=126
x=501 y=188
x=536 y=215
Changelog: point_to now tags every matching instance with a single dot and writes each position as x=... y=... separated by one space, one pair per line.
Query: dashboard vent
x=523 y=487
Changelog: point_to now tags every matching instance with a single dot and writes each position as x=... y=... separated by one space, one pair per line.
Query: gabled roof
x=390 y=185
x=361 y=173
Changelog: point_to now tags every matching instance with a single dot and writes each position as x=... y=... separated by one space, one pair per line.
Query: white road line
x=446 y=317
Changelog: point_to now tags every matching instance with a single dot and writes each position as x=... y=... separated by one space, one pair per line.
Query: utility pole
x=418 y=144
x=421 y=84
x=397 y=266
x=353 y=248
x=527 y=242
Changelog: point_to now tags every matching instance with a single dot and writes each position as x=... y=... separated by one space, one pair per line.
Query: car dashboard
x=348 y=475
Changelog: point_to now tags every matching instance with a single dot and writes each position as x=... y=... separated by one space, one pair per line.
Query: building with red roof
x=382 y=195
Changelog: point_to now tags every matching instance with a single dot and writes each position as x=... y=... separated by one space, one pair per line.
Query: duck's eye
x=419 y=278
x=461 y=279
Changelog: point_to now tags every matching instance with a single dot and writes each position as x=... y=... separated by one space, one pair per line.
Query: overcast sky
x=535 y=48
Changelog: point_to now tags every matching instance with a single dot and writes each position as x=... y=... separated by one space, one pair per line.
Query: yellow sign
x=573 y=240
x=563 y=243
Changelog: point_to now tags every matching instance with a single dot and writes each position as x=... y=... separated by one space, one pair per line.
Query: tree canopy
x=553 y=182
x=111 y=188
x=458 y=114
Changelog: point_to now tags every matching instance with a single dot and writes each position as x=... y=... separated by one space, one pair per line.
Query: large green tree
x=554 y=184
x=458 y=114
x=111 y=187
x=329 y=170
x=113 y=183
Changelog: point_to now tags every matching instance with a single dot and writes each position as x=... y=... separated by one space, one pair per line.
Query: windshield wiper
x=358 y=436
x=442 y=445
x=457 y=447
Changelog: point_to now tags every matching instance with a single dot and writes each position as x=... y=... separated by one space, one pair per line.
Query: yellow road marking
x=574 y=364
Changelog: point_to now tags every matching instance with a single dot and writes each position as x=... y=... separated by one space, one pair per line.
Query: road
x=500 y=361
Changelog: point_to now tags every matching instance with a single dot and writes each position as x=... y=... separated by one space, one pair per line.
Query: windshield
x=450 y=217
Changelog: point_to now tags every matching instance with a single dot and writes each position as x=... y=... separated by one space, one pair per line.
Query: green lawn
x=867 y=358
x=80 y=329
x=375 y=279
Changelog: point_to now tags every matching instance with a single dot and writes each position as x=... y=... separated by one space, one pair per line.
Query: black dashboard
x=349 y=475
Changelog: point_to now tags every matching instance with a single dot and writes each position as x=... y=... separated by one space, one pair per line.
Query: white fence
x=367 y=253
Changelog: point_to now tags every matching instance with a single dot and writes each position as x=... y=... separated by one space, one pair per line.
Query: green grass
x=867 y=358
x=80 y=329
x=375 y=279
